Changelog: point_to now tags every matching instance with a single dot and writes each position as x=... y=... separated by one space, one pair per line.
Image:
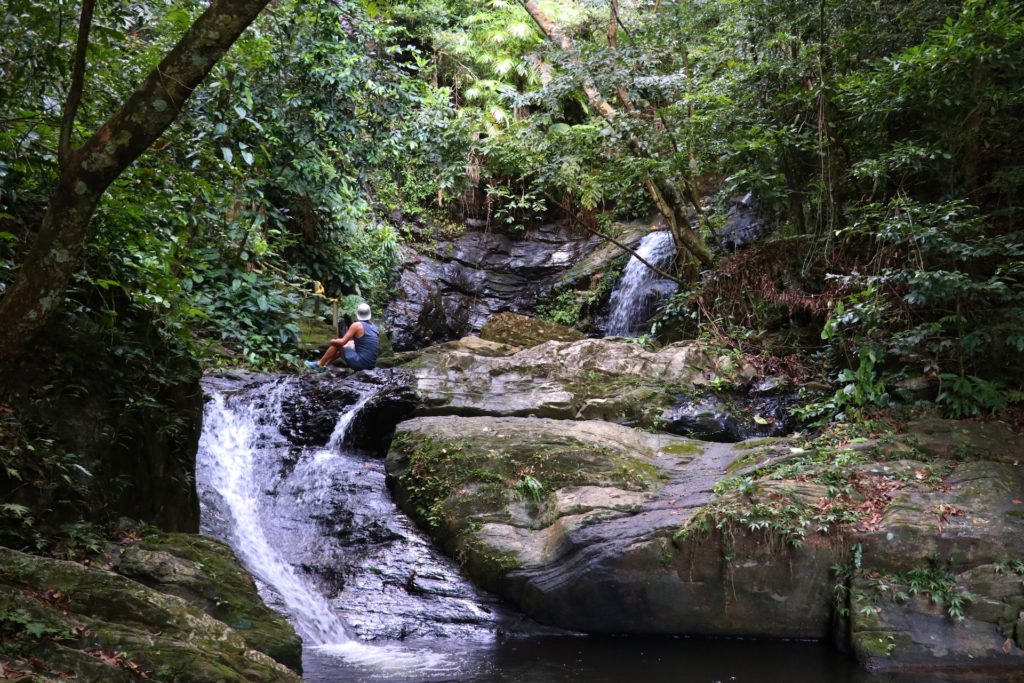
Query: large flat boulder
x=908 y=548
x=578 y=524
x=605 y=379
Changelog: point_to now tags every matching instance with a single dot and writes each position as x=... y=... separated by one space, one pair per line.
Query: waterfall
x=235 y=437
x=316 y=528
x=639 y=291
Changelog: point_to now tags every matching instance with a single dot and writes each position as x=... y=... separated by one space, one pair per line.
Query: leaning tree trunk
x=681 y=231
x=85 y=173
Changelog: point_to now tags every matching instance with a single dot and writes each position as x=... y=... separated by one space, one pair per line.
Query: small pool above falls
x=640 y=289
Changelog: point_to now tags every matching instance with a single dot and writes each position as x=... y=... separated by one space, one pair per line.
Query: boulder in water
x=577 y=523
x=601 y=528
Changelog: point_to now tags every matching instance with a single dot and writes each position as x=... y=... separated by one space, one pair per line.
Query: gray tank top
x=368 y=346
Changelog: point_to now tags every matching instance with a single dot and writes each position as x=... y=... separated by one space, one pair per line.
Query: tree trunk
x=681 y=231
x=38 y=290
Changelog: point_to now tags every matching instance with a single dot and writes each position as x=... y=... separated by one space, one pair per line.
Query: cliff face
x=450 y=287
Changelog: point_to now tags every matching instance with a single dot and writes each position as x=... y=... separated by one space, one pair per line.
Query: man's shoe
x=316 y=367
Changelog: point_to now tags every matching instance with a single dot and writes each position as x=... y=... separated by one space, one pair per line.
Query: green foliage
x=530 y=488
x=18 y=623
x=577 y=308
x=971 y=396
x=862 y=388
x=932 y=582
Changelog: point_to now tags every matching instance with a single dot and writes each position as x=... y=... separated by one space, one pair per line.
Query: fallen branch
x=635 y=255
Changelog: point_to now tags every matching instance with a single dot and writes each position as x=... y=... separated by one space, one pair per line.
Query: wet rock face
x=326 y=511
x=312 y=409
x=452 y=290
x=713 y=417
x=744 y=223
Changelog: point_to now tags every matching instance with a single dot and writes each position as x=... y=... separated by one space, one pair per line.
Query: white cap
x=363 y=312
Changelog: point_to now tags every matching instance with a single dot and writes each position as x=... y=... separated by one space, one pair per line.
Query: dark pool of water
x=599 y=659
x=590 y=660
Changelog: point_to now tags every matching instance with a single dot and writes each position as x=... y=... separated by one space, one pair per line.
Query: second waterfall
x=640 y=289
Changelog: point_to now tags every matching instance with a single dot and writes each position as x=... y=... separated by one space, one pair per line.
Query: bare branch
x=67 y=123
x=635 y=255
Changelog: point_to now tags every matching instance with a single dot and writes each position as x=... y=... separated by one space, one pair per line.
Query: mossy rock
x=525 y=332
x=206 y=573
x=86 y=614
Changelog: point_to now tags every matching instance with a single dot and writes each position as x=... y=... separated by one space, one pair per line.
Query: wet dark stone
x=729 y=419
x=453 y=290
x=744 y=223
x=374 y=425
x=311 y=412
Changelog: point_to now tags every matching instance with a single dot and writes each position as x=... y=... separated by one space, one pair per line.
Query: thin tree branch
x=635 y=255
x=67 y=123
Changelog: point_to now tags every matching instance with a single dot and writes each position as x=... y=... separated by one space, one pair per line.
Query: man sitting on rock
x=359 y=347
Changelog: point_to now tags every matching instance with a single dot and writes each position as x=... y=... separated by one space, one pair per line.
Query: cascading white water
x=274 y=502
x=231 y=435
x=640 y=289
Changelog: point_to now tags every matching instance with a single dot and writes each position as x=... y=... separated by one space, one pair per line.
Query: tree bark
x=67 y=124
x=681 y=231
x=38 y=290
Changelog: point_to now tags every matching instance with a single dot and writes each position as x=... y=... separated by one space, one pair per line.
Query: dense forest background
x=880 y=139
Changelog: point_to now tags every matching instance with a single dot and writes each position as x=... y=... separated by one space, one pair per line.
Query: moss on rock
x=522 y=331
x=107 y=624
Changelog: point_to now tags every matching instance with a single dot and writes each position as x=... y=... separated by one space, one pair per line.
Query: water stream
x=640 y=289
x=371 y=597
x=316 y=528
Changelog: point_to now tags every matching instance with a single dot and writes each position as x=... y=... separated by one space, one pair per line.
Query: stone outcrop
x=592 y=541
x=206 y=574
x=517 y=468
x=525 y=332
x=451 y=287
x=587 y=379
x=104 y=626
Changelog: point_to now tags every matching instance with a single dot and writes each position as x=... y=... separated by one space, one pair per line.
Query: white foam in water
x=230 y=438
x=341 y=428
x=390 y=660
